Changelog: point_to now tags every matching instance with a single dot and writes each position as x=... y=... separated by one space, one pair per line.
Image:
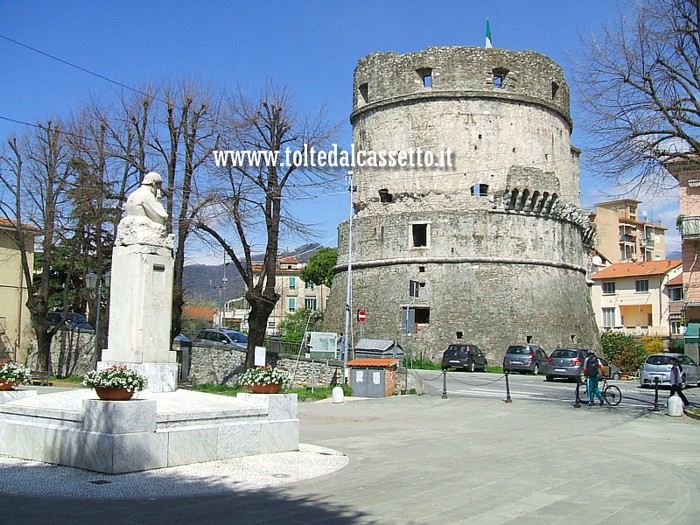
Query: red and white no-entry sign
x=361 y=316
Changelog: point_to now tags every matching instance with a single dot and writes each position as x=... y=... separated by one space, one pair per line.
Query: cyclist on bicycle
x=593 y=369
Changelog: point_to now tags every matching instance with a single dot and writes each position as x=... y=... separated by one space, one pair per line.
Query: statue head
x=152 y=179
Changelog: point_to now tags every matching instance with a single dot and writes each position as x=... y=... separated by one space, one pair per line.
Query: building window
x=675 y=327
x=675 y=293
x=426 y=75
x=309 y=286
x=499 y=78
x=608 y=317
x=419 y=235
x=422 y=315
x=364 y=92
x=609 y=287
x=555 y=88
x=412 y=316
x=641 y=285
x=292 y=304
x=480 y=190
x=292 y=283
x=271 y=326
x=310 y=304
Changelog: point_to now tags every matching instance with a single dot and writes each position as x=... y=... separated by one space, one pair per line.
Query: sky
x=311 y=47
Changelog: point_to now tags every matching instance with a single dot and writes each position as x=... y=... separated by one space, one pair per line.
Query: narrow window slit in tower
x=426 y=75
x=364 y=92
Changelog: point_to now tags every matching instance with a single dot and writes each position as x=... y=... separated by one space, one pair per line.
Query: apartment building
x=637 y=298
x=294 y=293
x=687 y=172
x=622 y=235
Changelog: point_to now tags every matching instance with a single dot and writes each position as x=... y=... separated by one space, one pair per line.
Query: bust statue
x=144 y=221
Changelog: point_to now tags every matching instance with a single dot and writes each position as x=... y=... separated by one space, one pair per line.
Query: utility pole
x=348 y=295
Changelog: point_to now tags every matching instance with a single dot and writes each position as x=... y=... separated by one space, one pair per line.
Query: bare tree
x=33 y=187
x=639 y=83
x=184 y=139
x=252 y=196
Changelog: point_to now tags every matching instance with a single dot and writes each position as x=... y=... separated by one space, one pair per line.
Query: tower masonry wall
x=495 y=237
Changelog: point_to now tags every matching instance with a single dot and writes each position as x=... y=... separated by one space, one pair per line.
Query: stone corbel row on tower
x=532 y=201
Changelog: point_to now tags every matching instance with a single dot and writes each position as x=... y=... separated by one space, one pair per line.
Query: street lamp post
x=93 y=282
x=348 y=295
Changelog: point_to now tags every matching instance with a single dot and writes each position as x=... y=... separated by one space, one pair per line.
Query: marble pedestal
x=156 y=430
x=140 y=304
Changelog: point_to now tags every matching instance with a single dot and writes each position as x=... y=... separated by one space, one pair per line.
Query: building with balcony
x=295 y=294
x=624 y=236
x=635 y=298
x=687 y=173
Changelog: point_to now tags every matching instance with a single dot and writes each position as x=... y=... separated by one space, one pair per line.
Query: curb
x=691 y=415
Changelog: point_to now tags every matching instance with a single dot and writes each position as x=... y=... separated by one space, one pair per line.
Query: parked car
x=74 y=321
x=222 y=336
x=659 y=365
x=611 y=371
x=465 y=356
x=525 y=358
x=566 y=363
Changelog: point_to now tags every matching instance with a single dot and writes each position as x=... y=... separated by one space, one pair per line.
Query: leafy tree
x=319 y=271
x=623 y=350
x=298 y=322
x=639 y=81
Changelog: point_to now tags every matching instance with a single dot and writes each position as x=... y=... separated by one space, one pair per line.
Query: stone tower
x=495 y=240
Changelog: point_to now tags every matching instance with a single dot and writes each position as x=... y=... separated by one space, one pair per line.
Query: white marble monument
x=141 y=290
x=162 y=426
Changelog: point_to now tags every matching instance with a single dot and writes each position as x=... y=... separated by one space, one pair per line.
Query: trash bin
x=373 y=377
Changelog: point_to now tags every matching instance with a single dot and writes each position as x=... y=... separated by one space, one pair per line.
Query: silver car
x=659 y=366
x=566 y=363
x=222 y=336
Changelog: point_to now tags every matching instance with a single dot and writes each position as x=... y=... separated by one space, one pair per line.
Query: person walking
x=592 y=369
x=677 y=381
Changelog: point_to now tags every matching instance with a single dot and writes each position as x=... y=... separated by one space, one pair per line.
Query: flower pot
x=113 y=394
x=8 y=385
x=266 y=389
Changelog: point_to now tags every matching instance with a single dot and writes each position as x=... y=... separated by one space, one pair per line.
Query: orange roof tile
x=676 y=281
x=198 y=312
x=369 y=362
x=6 y=223
x=639 y=269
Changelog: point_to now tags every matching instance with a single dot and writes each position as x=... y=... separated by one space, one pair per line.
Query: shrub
x=624 y=351
x=652 y=345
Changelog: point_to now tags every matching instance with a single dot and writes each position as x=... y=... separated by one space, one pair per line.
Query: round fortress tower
x=481 y=209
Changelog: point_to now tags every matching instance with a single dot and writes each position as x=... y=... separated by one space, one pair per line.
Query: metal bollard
x=656 y=395
x=577 y=403
x=507 y=399
x=444 y=383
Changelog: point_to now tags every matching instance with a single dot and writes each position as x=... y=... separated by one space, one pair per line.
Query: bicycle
x=611 y=393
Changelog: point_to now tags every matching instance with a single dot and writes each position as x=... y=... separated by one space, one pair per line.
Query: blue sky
x=311 y=47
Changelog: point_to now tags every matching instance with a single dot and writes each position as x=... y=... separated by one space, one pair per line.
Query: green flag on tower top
x=488 y=34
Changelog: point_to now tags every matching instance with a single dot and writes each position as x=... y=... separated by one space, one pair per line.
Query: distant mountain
x=202 y=282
